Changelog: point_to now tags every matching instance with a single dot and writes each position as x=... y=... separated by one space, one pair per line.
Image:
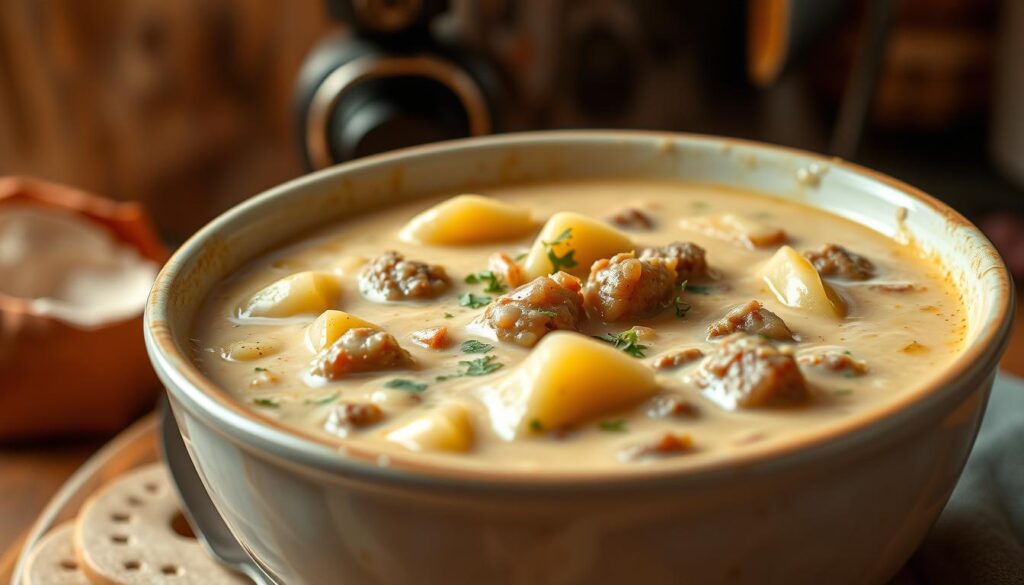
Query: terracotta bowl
x=846 y=505
x=57 y=378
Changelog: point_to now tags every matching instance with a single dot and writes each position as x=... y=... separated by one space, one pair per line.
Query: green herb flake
x=492 y=280
x=449 y=316
x=697 y=289
x=407 y=385
x=474 y=346
x=613 y=426
x=521 y=256
x=849 y=374
x=842 y=392
x=481 y=366
x=536 y=426
x=682 y=307
x=565 y=260
x=265 y=402
x=547 y=313
x=628 y=341
x=258 y=370
x=474 y=301
x=322 y=400
x=478 y=367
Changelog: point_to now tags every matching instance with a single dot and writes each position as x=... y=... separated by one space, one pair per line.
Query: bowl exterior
x=849 y=507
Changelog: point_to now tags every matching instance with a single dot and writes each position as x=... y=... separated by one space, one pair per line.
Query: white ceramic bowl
x=844 y=506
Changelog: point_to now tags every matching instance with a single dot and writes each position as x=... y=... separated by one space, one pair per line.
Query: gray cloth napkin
x=980 y=536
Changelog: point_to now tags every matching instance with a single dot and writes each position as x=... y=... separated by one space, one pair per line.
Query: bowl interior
x=299 y=207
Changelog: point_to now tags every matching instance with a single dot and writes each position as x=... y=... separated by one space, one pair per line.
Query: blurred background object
x=191 y=106
x=75 y=272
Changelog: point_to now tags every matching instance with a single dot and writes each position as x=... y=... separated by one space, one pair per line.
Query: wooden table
x=30 y=475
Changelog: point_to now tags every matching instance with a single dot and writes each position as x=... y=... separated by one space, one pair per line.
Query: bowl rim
x=973 y=367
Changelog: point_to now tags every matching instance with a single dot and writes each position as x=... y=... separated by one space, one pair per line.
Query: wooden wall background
x=182 y=104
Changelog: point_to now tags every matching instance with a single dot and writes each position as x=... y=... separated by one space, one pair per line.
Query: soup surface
x=530 y=339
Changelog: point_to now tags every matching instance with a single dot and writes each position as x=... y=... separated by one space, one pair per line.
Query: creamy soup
x=581 y=326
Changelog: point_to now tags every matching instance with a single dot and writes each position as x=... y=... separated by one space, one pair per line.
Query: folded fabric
x=979 y=538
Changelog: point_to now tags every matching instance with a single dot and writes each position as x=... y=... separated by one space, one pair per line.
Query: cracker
x=52 y=561
x=124 y=536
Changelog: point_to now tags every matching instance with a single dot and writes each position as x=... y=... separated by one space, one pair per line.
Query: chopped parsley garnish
x=521 y=256
x=449 y=316
x=627 y=341
x=536 y=426
x=699 y=205
x=474 y=301
x=682 y=307
x=697 y=289
x=474 y=346
x=613 y=426
x=849 y=374
x=265 y=402
x=258 y=369
x=493 y=281
x=322 y=400
x=842 y=392
x=481 y=366
x=565 y=260
x=478 y=367
x=407 y=385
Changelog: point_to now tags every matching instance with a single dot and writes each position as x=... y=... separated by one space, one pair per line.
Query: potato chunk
x=468 y=219
x=331 y=325
x=577 y=241
x=796 y=283
x=567 y=380
x=443 y=428
x=303 y=293
x=733 y=228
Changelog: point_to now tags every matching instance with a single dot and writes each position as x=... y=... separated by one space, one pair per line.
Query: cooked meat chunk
x=390 y=277
x=432 y=337
x=631 y=218
x=835 y=260
x=538 y=307
x=666 y=444
x=671 y=405
x=361 y=349
x=677 y=358
x=506 y=268
x=748 y=371
x=838 y=362
x=690 y=261
x=345 y=417
x=751 y=318
x=626 y=287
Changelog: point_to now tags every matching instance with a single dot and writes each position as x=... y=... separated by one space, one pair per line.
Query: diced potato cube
x=331 y=325
x=567 y=379
x=734 y=228
x=468 y=219
x=443 y=428
x=796 y=283
x=585 y=238
x=251 y=349
x=303 y=293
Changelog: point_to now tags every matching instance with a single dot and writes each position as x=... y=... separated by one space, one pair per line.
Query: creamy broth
x=905 y=323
